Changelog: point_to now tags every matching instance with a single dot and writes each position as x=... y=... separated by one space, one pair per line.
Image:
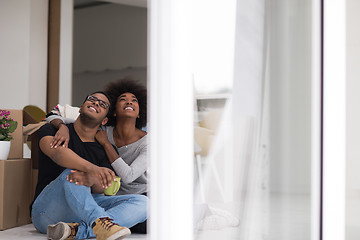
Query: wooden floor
x=289 y=218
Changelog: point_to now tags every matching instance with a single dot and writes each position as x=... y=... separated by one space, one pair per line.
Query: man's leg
x=126 y=210
x=62 y=201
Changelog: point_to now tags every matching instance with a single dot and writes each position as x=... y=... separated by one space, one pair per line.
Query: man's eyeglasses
x=102 y=103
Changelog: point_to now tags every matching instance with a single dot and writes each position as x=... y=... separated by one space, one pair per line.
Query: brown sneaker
x=62 y=231
x=105 y=229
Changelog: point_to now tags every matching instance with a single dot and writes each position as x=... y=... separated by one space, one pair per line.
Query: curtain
x=235 y=176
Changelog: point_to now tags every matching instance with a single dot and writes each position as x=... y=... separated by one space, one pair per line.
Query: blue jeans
x=62 y=201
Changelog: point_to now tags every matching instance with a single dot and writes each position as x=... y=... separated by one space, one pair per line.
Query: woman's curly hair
x=115 y=89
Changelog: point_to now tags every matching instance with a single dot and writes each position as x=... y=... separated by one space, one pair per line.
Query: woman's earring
x=138 y=116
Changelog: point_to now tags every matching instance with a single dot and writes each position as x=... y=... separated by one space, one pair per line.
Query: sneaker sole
x=59 y=231
x=120 y=234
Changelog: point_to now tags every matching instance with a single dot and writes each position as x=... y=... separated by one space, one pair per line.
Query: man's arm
x=65 y=157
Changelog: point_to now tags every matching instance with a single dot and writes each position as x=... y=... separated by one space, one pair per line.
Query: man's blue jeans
x=62 y=201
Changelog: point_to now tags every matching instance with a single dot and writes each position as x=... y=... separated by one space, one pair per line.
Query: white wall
x=290 y=96
x=352 y=119
x=353 y=96
x=23 y=58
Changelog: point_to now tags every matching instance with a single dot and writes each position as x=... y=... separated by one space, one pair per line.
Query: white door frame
x=334 y=116
x=171 y=112
x=316 y=118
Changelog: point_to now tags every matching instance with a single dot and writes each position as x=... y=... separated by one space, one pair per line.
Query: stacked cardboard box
x=15 y=192
x=18 y=175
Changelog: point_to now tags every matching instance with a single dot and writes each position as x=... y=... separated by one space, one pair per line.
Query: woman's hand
x=61 y=137
x=102 y=138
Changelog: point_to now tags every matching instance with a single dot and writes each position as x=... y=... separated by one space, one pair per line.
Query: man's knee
x=64 y=183
x=64 y=174
x=141 y=199
x=142 y=202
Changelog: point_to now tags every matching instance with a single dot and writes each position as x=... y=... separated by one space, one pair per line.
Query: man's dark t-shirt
x=49 y=170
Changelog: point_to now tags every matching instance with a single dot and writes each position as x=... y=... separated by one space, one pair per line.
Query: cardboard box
x=17 y=147
x=30 y=133
x=22 y=118
x=26 y=132
x=15 y=192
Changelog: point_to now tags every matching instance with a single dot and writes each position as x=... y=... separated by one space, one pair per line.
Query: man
x=68 y=203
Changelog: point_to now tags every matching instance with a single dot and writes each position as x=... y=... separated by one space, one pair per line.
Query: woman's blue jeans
x=62 y=201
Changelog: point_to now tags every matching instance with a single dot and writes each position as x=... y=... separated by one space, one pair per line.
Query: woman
x=127 y=116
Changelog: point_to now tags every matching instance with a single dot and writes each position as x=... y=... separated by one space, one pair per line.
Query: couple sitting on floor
x=68 y=202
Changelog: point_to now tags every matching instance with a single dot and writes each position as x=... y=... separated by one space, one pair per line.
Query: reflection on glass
x=252 y=81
